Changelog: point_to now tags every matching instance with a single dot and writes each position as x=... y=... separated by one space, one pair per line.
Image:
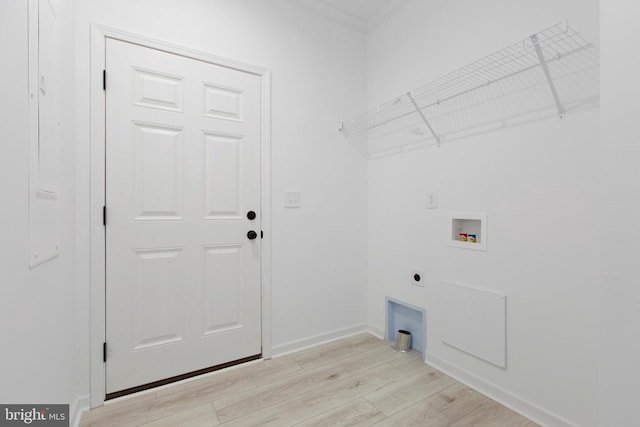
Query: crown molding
x=328 y=11
x=349 y=20
x=381 y=15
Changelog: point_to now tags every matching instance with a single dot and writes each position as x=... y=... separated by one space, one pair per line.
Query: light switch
x=292 y=199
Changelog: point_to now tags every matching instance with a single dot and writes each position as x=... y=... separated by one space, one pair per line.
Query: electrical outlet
x=292 y=199
x=417 y=278
x=432 y=199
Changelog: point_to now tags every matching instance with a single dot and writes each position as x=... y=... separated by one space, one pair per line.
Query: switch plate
x=432 y=199
x=292 y=199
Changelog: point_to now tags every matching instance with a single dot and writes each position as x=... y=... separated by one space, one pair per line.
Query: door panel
x=223 y=159
x=223 y=288
x=158 y=173
x=158 y=295
x=183 y=168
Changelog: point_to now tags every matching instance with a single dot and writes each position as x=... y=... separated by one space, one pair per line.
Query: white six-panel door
x=183 y=287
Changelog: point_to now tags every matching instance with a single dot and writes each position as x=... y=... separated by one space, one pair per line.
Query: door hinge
x=104 y=216
x=104 y=352
x=261 y=234
x=104 y=79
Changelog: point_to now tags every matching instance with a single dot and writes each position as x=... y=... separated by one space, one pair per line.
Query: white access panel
x=474 y=320
x=43 y=133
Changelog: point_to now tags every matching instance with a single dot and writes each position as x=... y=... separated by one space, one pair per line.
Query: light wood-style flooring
x=360 y=380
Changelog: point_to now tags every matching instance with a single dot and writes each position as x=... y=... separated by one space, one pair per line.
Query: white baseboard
x=375 y=331
x=302 y=344
x=497 y=393
x=79 y=405
x=500 y=395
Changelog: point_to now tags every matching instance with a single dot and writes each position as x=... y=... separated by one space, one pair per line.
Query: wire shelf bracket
x=424 y=119
x=547 y=74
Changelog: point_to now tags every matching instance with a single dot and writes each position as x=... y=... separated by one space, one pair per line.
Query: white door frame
x=99 y=34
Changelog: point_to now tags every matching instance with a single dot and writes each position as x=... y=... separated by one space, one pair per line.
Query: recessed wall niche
x=468 y=230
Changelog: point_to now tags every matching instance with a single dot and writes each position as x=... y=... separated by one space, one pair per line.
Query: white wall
x=319 y=262
x=620 y=201
x=535 y=182
x=540 y=184
x=37 y=307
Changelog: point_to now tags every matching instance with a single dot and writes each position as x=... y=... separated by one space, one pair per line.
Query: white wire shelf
x=548 y=74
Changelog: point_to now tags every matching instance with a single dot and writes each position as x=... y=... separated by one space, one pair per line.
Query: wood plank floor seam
x=357 y=381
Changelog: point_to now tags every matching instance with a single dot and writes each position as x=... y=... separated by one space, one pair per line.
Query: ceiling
x=359 y=15
x=361 y=9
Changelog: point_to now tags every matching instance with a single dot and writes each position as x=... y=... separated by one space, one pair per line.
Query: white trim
x=99 y=34
x=354 y=21
x=499 y=394
x=78 y=407
x=314 y=341
x=332 y=13
x=376 y=332
x=381 y=15
x=97 y=234
x=266 y=215
x=32 y=147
